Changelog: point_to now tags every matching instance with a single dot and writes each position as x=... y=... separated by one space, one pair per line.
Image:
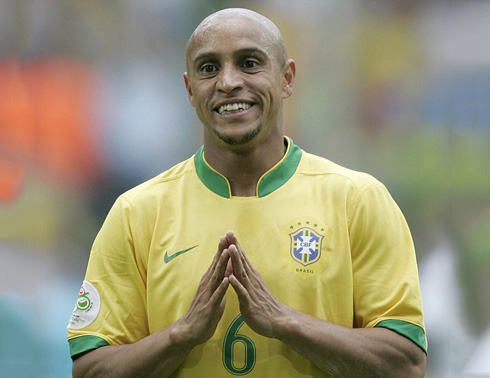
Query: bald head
x=271 y=38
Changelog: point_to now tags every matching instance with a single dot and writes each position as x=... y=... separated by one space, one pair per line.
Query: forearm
x=161 y=353
x=157 y=355
x=345 y=352
x=339 y=351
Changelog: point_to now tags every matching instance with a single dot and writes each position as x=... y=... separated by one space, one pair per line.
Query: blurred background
x=92 y=102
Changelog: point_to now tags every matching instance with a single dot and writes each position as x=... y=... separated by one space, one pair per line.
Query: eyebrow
x=250 y=51
x=213 y=56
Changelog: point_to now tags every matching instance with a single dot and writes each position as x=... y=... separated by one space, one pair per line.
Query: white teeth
x=233 y=107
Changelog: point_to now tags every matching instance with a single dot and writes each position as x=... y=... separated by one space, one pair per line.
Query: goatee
x=238 y=141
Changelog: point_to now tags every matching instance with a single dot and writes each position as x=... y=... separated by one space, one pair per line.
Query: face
x=236 y=81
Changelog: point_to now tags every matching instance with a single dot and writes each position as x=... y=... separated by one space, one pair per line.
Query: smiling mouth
x=233 y=108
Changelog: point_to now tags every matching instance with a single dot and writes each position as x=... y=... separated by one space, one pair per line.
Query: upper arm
x=111 y=305
x=386 y=284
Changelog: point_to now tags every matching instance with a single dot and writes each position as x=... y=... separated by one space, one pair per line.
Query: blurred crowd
x=92 y=102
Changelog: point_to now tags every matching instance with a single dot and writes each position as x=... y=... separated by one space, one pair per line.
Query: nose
x=230 y=79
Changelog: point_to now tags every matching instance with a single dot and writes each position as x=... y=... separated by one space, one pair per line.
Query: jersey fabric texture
x=328 y=241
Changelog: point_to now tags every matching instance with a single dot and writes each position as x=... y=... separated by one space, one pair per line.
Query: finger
x=220 y=268
x=217 y=299
x=222 y=245
x=211 y=280
x=240 y=290
x=229 y=268
x=238 y=268
x=223 y=262
x=232 y=239
x=246 y=273
x=247 y=265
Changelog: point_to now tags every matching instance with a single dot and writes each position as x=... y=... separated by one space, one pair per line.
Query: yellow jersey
x=328 y=241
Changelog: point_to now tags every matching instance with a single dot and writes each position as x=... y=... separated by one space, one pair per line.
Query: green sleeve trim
x=411 y=331
x=84 y=344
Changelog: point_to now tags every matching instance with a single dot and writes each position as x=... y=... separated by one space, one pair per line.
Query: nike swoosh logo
x=167 y=258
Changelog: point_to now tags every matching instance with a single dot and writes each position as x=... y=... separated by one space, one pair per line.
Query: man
x=324 y=278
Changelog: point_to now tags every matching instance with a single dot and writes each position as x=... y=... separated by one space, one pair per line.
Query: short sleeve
x=111 y=305
x=386 y=284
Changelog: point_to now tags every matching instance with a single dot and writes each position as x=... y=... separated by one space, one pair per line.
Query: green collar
x=273 y=179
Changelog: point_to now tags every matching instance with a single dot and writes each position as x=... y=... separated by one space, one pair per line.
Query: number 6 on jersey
x=231 y=338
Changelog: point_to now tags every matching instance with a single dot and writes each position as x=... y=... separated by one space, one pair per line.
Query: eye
x=249 y=63
x=208 y=68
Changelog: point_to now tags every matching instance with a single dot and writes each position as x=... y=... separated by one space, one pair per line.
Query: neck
x=243 y=168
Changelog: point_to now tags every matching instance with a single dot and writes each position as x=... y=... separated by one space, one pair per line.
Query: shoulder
x=319 y=167
x=161 y=185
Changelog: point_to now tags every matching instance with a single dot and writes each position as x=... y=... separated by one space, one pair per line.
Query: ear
x=289 y=73
x=188 y=89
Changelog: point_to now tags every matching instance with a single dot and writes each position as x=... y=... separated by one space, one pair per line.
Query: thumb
x=229 y=268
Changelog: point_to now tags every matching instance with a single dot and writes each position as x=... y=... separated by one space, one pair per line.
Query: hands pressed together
x=339 y=351
x=258 y=306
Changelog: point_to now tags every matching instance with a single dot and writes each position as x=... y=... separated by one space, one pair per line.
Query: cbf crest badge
x=306 y=245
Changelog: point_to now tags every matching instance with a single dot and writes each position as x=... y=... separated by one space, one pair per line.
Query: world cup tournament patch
x=86 y=308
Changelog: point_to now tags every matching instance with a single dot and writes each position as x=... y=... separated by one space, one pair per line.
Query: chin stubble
x=238 y=141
